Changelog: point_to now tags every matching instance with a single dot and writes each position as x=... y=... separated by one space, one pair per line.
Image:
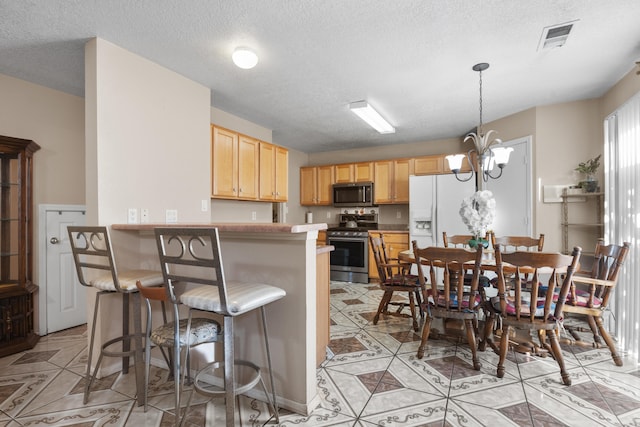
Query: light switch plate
x=144 y=215
x=171 y=216
x=132 y=216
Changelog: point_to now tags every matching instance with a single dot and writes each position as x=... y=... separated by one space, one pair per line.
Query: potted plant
x=589 y=169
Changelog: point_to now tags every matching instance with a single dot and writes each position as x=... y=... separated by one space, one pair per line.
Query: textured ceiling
x=411 y=59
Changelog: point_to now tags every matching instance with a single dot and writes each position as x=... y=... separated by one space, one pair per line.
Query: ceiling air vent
x=555 y=36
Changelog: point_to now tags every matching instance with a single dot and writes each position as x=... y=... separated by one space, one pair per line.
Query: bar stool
x=174 y=334
x=96 y=268
x=192 y=255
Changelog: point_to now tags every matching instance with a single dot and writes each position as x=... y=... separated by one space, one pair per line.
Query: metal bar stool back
x=96 y=268
x=192 y=255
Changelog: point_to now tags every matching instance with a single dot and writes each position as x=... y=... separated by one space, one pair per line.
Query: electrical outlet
x=204 y=205
x=132 y=217
x=171 y=216
x=253 y=215
x=144 y=215
x=398 y=214
x=328 y=214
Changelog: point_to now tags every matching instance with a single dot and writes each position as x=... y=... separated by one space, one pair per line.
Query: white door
x=65 y=297
x=512 y=192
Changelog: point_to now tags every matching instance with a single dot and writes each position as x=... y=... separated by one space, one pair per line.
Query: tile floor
x=371 y=379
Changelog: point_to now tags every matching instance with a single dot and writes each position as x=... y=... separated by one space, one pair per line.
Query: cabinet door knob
x=54 y=240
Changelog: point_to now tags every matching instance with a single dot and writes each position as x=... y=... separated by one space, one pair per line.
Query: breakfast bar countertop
x=242 y=227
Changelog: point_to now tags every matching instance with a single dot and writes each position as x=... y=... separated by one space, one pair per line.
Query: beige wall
x=628 y=86
x=55 y=121
x=566 y=134
x=416 y=149
x=150 y=128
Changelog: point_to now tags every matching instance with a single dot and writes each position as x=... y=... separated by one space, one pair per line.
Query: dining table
x=488 y=264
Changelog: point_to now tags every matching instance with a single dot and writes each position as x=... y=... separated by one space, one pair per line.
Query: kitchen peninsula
x=282 y=255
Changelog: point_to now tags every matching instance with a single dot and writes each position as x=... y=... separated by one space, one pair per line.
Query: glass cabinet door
x=9 y=219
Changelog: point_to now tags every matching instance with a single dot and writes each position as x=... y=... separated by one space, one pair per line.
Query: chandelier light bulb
x=244 y=58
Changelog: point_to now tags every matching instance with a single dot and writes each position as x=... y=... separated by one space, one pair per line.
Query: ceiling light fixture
x=366 y=112
x=244 y=58
x=487 y=154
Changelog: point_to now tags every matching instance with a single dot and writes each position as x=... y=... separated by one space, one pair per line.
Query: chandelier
x=487 y=153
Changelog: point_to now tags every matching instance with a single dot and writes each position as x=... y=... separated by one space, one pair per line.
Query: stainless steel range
x=350 y=259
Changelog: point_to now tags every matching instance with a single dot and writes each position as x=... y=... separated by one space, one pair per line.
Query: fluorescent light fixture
x=371 y=116
x=244 y=58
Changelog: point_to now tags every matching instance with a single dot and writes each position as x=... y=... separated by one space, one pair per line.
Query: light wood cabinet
x=353 y=172
x=234 y=165
x=391 y=178
x=16 y=246
x=323 y=293
x=274 y=166
x=395 y=242
x=316 y=185
x=429 y=165
x=363 y=172
x=344 y=173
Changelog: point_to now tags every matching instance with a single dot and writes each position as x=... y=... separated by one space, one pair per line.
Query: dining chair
x=462 y=241
x=590 y=293
x=96 y=268
x=515 y=243
x=456 y=241
x=453 y=299
x=394 y=276
x=173 y=335
x=532 y=305
x=193 y=256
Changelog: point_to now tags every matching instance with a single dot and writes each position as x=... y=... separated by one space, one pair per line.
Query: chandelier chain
x=480 y=127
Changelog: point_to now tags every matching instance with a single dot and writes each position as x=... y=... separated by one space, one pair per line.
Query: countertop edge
x=230 y=226
x=320 y=249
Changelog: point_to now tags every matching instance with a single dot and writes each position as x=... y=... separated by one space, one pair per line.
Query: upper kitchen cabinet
x=391 y=178
x=436 y=165
x=16 y=245
x=234 y=165
x=274 y=175
x=428 y=165
x=316 y=185
x=353 y=172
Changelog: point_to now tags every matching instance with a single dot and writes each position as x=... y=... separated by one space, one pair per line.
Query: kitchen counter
x=248 y=227
x=283 y=255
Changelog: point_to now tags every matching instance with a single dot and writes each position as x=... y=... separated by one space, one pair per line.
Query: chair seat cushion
x=242 y=297
x=582 y=299
x=202 y=331
x=453 y=300
x=525 y=306
x=127 y=279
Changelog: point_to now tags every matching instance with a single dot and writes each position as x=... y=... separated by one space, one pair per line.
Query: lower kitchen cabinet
x=323 y=292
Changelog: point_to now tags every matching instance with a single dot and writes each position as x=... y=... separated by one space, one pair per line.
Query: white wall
x=147 y=138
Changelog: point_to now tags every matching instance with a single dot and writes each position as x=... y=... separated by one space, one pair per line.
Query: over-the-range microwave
x=353 y=194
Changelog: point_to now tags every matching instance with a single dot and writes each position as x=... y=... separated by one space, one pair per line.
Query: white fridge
x=434 y=205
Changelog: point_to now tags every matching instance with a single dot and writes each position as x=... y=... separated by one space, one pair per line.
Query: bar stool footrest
x=112 y=353
x=239 y=389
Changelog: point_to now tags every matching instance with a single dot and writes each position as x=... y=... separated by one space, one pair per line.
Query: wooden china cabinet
x=16 y=245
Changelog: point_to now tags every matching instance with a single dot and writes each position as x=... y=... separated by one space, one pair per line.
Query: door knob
x=54 y=240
